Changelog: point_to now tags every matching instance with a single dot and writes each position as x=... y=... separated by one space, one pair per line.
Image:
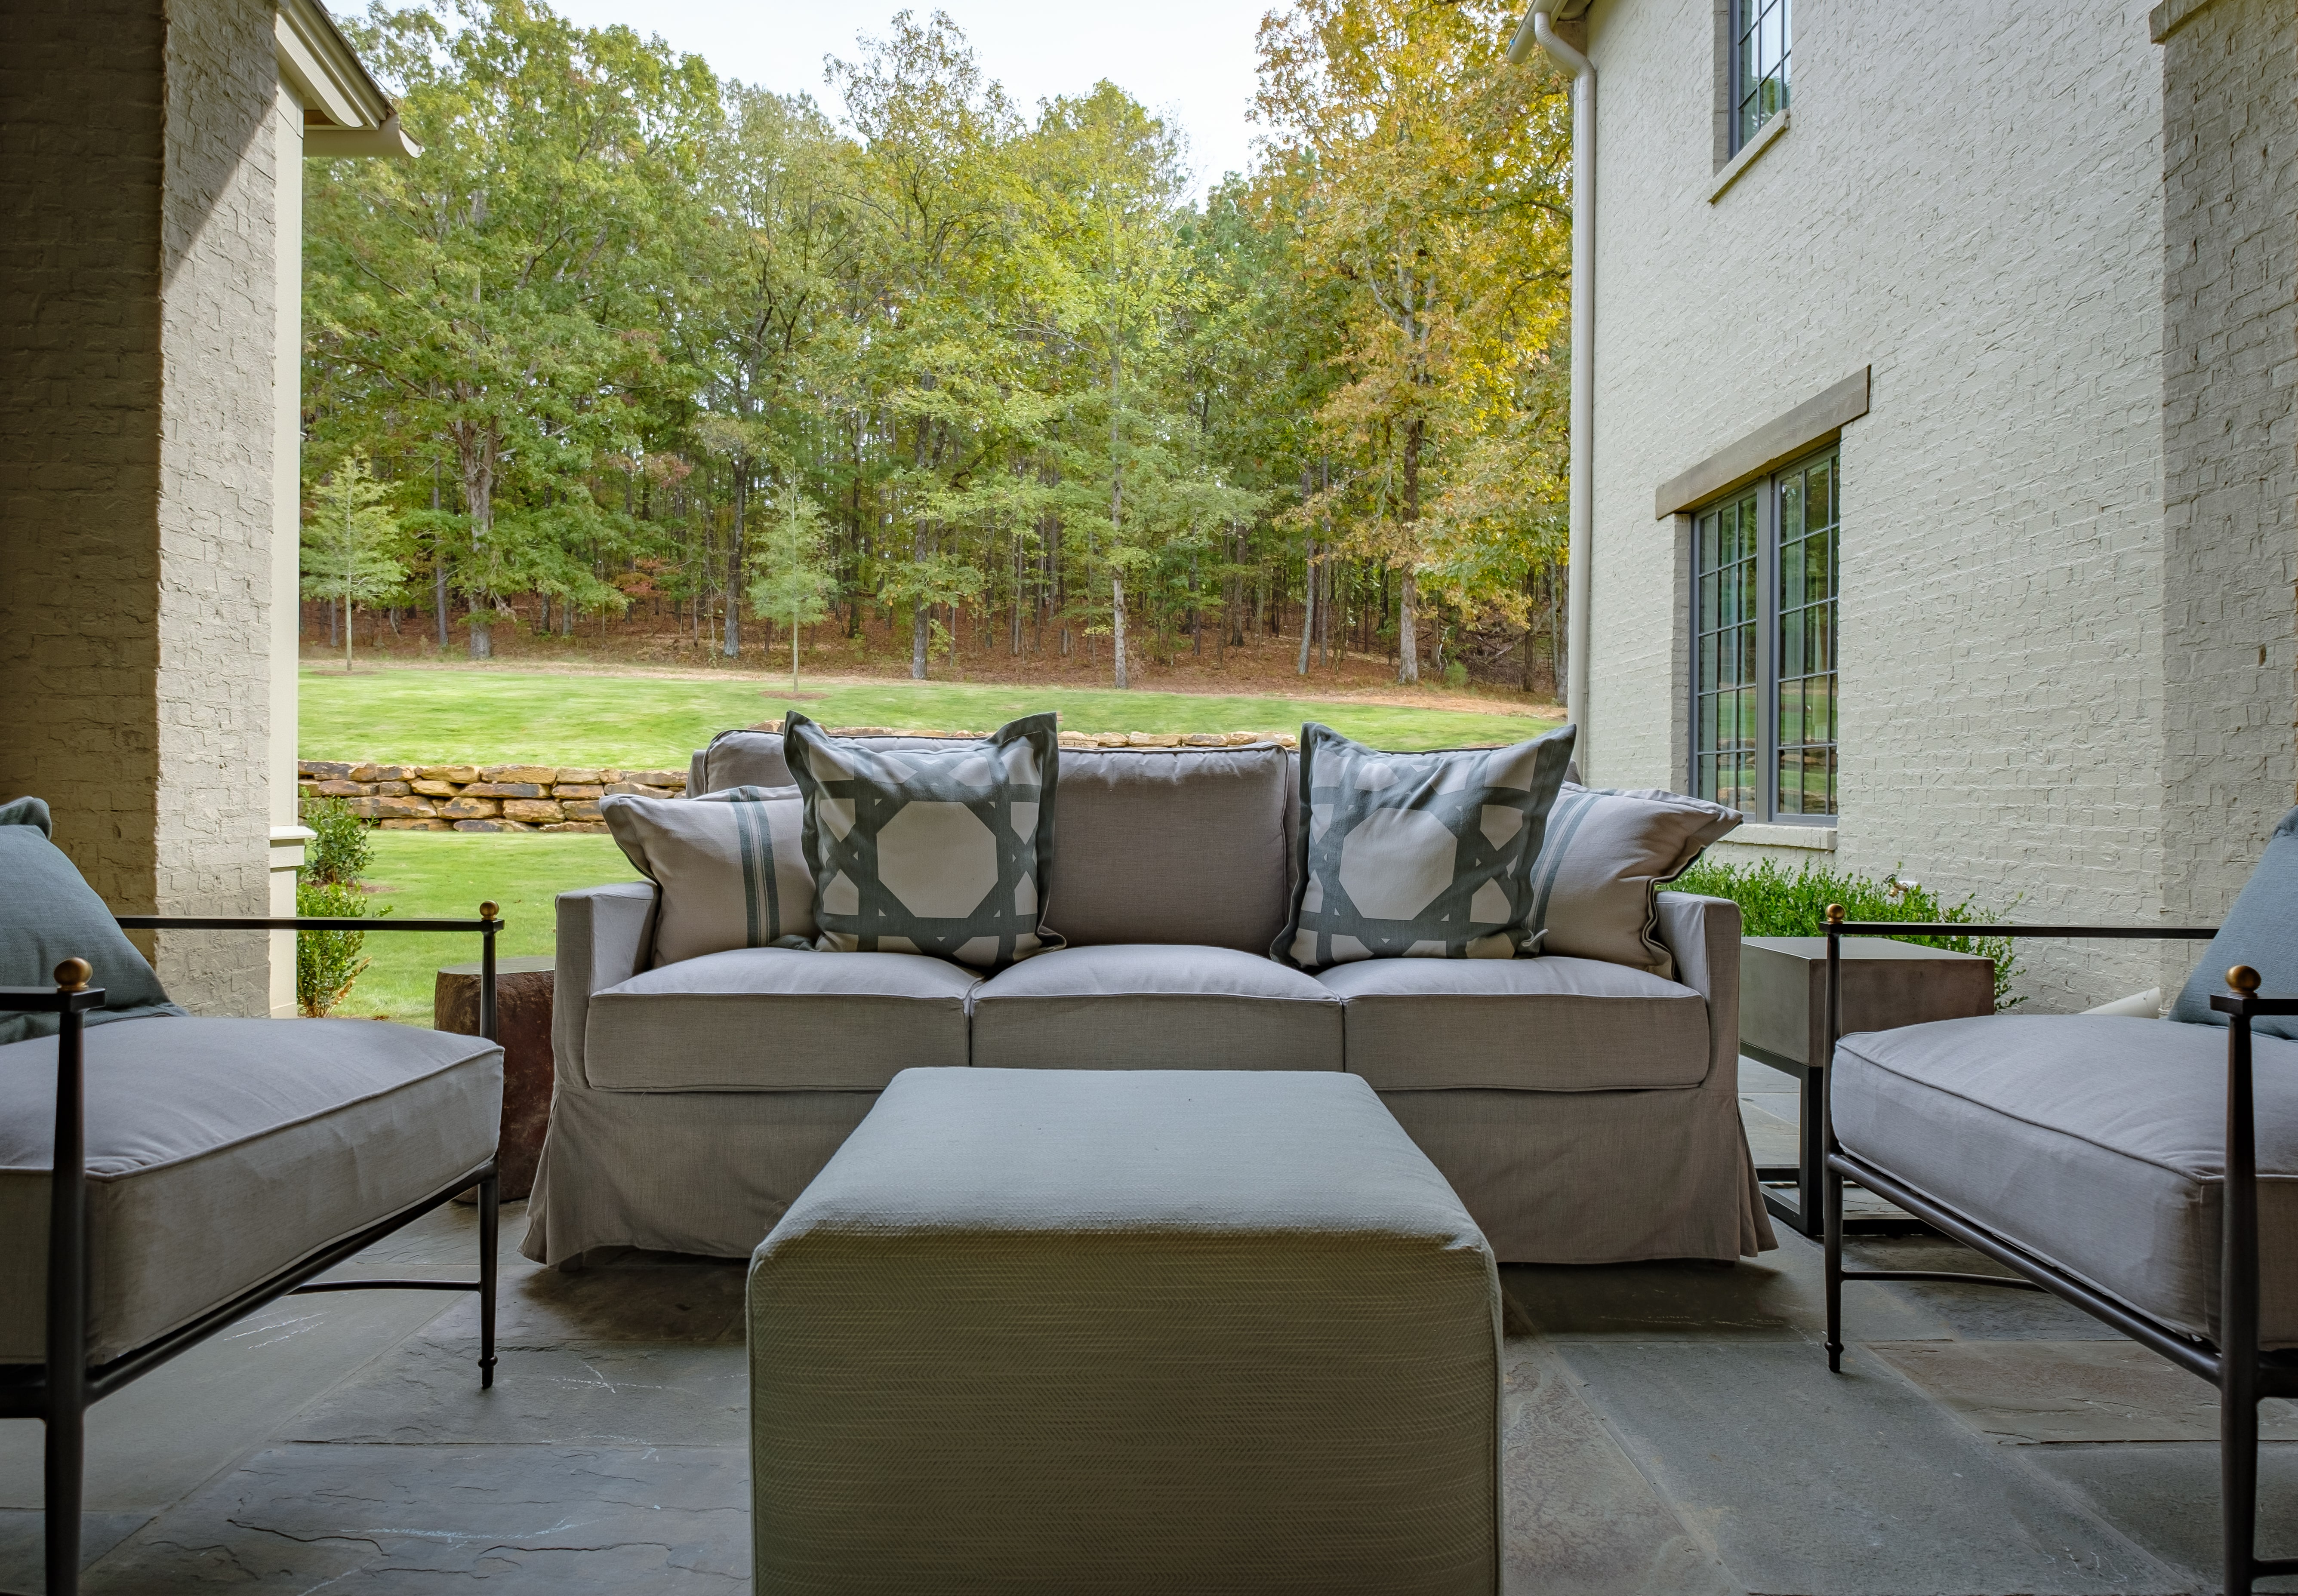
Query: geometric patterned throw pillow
x=728 y=868
x=937 y=850
x=1417 y=855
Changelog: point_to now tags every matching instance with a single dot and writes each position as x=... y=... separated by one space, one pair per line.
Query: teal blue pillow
x=48 y=915
x=2260 y=931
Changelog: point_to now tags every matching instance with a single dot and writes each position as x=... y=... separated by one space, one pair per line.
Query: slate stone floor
x=1670 y=1428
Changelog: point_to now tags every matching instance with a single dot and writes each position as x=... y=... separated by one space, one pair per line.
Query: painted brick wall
x=1969 y=200
x=220 y=267
x=79 y=450
x=137 y=317
x=2230 y=447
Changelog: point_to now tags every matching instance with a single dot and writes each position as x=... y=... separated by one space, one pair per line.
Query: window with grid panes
x=1760 y=38
x=1764 y=636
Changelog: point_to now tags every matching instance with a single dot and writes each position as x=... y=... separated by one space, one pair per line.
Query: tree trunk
x=1407 y=641
x=733 y=640
x=1307 y=607
x=1117 y=622
x=921 y=616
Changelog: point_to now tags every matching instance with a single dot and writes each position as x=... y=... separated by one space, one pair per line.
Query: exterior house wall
x=2230 y=440
x=137 y=316
x=1967 y=201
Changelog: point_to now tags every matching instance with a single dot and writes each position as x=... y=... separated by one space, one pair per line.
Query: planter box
x=1783 y=1024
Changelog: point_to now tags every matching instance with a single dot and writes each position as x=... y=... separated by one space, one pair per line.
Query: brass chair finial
x=72 y=975
x=1835 y=914
x=487 y=910
x=2243 y=979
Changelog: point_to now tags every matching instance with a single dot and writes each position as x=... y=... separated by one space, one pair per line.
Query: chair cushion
x=2095 y=1141
x=1522 y=1024
x=1172 y=845
x=2260 y=931
x=1416 y=855
x=771 y=1019
x=49 y=914
x=221 y=1151
x=1155 y=1006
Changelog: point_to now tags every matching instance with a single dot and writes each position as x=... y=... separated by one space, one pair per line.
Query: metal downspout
x=1535 y=31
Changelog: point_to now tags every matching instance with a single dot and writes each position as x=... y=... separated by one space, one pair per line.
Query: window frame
x=1736 y=90
x=1766 y=493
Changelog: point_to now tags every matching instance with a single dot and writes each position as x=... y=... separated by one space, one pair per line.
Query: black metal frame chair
x=2244 y=1374
x=61 y=1390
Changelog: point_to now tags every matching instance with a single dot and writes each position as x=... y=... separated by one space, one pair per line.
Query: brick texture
x=137 y=326
x=2230 y=446
x=1971 y=200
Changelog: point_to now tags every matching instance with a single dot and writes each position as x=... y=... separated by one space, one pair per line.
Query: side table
x=523 y=991
x=1783 y=1024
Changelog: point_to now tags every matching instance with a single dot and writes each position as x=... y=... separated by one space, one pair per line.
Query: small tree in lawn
x=794 y=583
x=349 y=542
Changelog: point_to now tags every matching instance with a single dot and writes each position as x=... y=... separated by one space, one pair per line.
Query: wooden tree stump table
x=522 y=989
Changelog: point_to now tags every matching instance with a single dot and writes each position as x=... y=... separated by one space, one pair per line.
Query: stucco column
x=139 y=278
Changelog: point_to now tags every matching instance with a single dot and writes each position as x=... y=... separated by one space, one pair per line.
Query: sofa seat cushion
x=1155 y=1006
x=2095 y=1141
x=1520 y=1024
x=220 y=1152
x=777 y=1019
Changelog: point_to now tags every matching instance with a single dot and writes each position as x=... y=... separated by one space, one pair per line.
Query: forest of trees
x=951 y=371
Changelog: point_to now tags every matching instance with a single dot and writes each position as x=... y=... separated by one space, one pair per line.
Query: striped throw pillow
x=728 y=868
x=1600 y=864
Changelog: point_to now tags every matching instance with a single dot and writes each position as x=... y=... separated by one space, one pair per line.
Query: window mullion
x=1767 y=650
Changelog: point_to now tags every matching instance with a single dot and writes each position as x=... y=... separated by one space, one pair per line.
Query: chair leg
x=66 y=1436
x=1831 y=1208
x=2238 y=1486
x=489 y=1192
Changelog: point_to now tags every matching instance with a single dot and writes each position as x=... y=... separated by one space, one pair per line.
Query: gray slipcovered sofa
x=1584 y=1112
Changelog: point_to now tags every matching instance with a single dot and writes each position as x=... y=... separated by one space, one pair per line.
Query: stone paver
x=1668 y=1427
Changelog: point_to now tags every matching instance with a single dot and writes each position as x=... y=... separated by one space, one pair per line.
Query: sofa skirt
x=679 y=1171
x=1595 y=1177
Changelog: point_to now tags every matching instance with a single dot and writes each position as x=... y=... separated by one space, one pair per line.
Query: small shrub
x=328 y=962
x=1774 y=901
x=339 y=853
x=1456 y=675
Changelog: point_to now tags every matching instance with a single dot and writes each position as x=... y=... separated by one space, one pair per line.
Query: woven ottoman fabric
x=1039 y=1331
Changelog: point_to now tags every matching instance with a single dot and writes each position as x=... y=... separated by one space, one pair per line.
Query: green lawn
x=420 y=873
x=643 y=722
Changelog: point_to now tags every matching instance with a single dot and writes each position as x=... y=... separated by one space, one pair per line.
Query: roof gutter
x=1536 y=32
x=345 y=111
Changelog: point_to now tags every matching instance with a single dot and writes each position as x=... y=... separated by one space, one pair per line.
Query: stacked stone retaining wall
x=403 y=797
x=482 y=797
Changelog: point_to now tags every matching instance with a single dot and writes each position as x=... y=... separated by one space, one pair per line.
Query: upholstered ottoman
x=1149 y=1330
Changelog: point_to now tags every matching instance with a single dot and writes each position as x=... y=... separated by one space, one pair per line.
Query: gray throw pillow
x=728 y=868
x=2260 y=931
x=1595 y=881
x=940 y=850
x=1417 y=854
x=49 y=914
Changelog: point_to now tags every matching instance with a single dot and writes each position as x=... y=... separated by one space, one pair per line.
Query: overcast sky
x=1190 y=61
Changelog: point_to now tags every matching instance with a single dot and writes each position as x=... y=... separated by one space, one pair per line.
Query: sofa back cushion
x=1173 y=845
x=1150 y=844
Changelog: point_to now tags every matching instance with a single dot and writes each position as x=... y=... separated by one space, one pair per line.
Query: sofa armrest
x=602 y=941
x=1703 y=933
